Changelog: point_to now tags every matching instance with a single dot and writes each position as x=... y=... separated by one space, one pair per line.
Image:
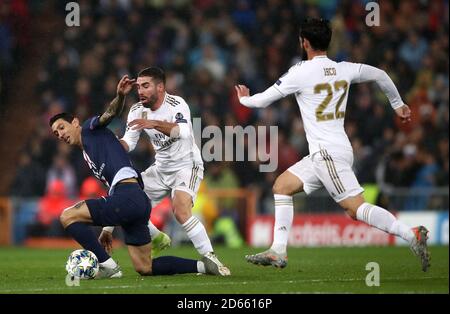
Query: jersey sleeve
x=261 y=100
x=291 y=81
x=353 y=71
x=181 y=115
x=92 y=123
x=131 y=136
x=360 y=73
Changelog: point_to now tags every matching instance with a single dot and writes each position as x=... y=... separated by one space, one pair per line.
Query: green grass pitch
x=310 y=270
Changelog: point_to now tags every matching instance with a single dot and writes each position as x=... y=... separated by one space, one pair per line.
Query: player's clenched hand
x=140 y=124
x=105 y=240
x=125 y=85
x=404 y=113
x=242 y=91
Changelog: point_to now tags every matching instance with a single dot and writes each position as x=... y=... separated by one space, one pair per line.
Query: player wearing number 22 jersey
x=321 y=86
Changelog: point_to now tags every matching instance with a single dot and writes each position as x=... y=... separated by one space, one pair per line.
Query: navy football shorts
x=128 y=207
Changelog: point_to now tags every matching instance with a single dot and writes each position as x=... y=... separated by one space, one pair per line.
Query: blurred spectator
x=287 y=155
x=413 y=50
x=162 y=213
x=424 y=180
x=14 y=38
x=29 y=180
x=53 y=203
x=62 y=170
x=205 y=208
x=219 y=176
x=91 y=188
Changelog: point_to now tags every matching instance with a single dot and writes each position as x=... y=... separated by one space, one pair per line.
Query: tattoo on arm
x=78 y=205
x=114 y=109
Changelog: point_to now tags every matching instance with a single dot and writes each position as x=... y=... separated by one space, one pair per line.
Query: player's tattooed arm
x=114 y=109
x=116 y=106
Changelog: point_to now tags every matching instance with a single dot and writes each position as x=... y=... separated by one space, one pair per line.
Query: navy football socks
x=84 y=235
x=170 y=265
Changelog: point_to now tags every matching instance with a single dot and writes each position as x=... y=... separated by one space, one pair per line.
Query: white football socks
x=284 y=215
x=197 y=234
x=381 y=219
x=201 y=267
x=109 y=263
x=154 y=232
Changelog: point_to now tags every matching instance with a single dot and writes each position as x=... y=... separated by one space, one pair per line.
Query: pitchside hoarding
x=340 y=230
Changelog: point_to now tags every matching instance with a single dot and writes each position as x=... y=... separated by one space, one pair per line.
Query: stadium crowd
x=14 y=38
x=206 y=47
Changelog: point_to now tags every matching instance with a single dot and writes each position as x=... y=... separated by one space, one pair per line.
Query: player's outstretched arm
x=261 y=100
x=369 y=73
x=404 y=113
x=115 y=107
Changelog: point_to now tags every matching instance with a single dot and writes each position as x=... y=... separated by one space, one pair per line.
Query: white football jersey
x=172 y=154
x=320 y=86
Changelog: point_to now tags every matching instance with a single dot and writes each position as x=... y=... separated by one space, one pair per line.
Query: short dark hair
x=63 y=115
x=154 y=72
x=317 y=31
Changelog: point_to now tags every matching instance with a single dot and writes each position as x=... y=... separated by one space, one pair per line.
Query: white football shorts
x=158 y=184
x=330 y=169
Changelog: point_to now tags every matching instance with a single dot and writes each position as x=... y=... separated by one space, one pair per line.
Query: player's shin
x=171 y=265
x=197 y=234
x=84 y=235
x=381 y=219
x=284 y=215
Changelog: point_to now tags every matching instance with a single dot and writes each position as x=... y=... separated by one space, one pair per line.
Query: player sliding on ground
x=320 y=86
x=178 y=169
x=127 y=205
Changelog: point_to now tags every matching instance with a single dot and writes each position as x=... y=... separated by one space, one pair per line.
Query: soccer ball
x=82 y=264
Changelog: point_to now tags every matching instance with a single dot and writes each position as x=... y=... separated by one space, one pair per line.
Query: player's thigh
x=128 y=206
x=335 y=172
x=154 y=185
x=137 y=233
x=141 y=258
x=297 y=178
x=76 y=213
x=187 y=180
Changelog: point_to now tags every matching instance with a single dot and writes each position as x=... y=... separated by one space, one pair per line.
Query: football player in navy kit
x=127 y=205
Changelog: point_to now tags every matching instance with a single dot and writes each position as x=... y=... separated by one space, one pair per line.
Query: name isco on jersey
x=238 y=144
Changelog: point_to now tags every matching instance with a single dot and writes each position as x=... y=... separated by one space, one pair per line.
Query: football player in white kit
x=178 y=167
x=320 y=86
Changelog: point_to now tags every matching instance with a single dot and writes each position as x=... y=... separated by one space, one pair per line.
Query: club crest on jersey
x=180 y=118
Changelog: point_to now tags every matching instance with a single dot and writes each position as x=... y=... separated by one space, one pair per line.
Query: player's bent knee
x=74 y=214
x=351 y=205
x=280 y=188
x=67 y=218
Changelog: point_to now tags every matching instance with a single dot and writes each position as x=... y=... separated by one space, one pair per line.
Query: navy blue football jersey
x=104 y=154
